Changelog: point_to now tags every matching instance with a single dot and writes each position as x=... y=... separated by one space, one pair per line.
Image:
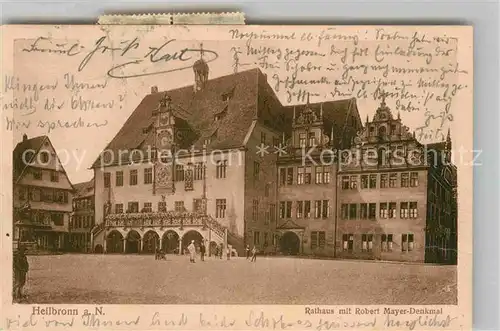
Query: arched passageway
x=190 y=236
x=170 y=242
x=290 y=243
x=133 y=242
x=98 y=249
x=150 y=242
x=114 y=242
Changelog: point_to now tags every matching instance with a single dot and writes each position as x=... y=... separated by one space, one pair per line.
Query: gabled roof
x=251 y=98
x=33 y=144
x=196 y=111
x=84 y=190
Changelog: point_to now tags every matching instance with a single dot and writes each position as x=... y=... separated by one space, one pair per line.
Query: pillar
x=141 y=244
x=91 y=242
x=124 y=245
x=180 y=246
x=161 y=243
x=207 y=249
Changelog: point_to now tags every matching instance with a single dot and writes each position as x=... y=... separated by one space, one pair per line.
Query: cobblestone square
x=140 y=279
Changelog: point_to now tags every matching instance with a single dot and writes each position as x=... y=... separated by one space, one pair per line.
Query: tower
x=164 y=163
x=447 y=147
x=200 y=68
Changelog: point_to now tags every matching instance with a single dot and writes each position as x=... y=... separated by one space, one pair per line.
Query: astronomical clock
x=164 y=144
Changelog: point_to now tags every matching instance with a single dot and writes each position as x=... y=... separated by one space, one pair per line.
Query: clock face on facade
x=415 y=158
x=162 y=174
x=164 y=138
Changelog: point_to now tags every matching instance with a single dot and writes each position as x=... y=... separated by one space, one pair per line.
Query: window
x=256 y=238
x=255 y=210
x=256 y=170
x=288 y=209
x=267 y=190
x=386 y=243
x=220 y=208
x=300 y=209
x=367 y=242
x=133 y=207
x=266 y=241
x=407 y=243
x=392 y=210
x=148 y=207
x=57 y=218
x=198 y=206
x=372 y=210
x=107 y=179
x=348 y=242
x=345 y=182
x=54 y=176
x=405 y=179
x=326 y=209
x=148 y=176
x=282 y=176
x=302 y=140
x=393 y=178
x=383 y=210
x=263 y=138
x=119 y=208
x=308 y=175
x=344 y=211
x=179 y=206
x=162 y=206
x=221 y=169
x=133 y=177
x=353 y=182
x=179 y=173
x=326 y=175
x=199 y=171
x=319 y=175
x=119 y=178
x=282 y=209
x=289 y=178
x=364 y=181
x=373 y=181
x=413 y=210
x=318 y=239
x=414 y=179
x=276 y=142
x=300 y=175
x=44 y=157
x=312 y=139
x=363 y=211
x=353 y=211
x=272 y=212
x=383 y=180
x=403 y=210
x=307 y=209
x=317 y=208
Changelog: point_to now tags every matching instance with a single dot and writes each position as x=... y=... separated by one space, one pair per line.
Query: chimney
x=154 y=89
x=25 y=137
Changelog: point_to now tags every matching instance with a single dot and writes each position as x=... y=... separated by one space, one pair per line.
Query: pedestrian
x=254 y=254
x=21 y=267
x=247 y=250
x=192 y=252
x=228 y=252
x=202 y=251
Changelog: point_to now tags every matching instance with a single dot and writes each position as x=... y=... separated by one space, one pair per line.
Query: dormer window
x=220 y=115
x=206 y=142
x=226 y=97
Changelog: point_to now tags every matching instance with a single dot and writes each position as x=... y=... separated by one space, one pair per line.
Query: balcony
x=163 y=220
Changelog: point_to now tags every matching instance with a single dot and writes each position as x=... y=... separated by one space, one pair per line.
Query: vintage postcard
x=236 y=177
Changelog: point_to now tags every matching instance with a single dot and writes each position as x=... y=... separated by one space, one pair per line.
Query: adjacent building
x=42 y=197
x=82 y=220
x=223 y=162
x=396 y=197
